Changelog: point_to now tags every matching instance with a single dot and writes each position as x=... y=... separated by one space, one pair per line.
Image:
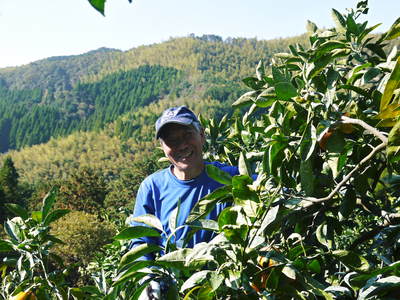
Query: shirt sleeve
x=144 y=204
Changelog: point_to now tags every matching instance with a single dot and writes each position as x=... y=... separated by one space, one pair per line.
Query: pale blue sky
x=32 y=30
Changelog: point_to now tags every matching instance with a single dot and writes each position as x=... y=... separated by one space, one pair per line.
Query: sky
x=33 y=30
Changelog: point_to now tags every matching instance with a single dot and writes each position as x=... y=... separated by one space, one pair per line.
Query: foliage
x=28 y=265
x=321 y=220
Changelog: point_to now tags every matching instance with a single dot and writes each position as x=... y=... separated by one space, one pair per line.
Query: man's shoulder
x=157 y=176
x=232 y=170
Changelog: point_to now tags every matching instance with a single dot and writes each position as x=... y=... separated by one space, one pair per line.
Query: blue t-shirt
x=159 y=194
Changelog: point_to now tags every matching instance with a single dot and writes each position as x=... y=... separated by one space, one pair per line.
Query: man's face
x=183 y=147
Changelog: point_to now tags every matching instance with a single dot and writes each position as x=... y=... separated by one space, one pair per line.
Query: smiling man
x=185 y=180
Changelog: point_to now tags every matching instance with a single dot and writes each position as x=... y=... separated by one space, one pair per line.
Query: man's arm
x=144 y=204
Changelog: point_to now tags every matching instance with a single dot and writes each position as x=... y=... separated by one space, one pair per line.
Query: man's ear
x=202 y=135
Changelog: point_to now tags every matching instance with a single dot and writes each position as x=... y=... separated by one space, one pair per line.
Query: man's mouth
x=185 y=155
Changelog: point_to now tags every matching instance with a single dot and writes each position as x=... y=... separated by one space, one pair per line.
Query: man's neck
x=189 y=174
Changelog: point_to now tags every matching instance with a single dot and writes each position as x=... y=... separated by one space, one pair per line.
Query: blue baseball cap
x=177 y=115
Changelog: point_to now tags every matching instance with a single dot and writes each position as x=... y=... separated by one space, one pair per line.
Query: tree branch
x=370 y=129
x=390 y=219
x=348 y=176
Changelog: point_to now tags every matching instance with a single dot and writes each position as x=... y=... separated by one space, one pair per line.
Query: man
x=185 y=180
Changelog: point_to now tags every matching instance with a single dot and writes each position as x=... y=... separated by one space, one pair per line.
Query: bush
x=83 y=234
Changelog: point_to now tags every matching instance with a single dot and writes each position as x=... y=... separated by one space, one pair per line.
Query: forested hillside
x=61 y=95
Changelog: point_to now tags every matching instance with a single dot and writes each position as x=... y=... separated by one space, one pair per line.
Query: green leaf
x=228 y=221
x=203 y=207
x=173 y=218
x=324 y=235
x=339 y=20
x=352 y=25
x=392 y=84
x=308 y=142
x=377 y=49
x=355 y=89
x=269 y=218
x=138 y=252
x=273 y=156
x=149 y=220
x=314 y=266
x=285 y=90
x=394 y=30
x=218 y=175
x=352 y=260
x=349 y=203
x=260 y=70
x=48 y=201
x=175 y=259
x=336 y=142
x=98 y=5
x=243 y=165
x=278 y=75
x=253 y=83
x=307 y=177
x=17 y=210
x=240 y=188
x=371 y=75
x=316 y=67
x=245 y=100
x=12 y=228
x=329 y=46
x=366 y=31
x=311 y=27
x=196 y=279
x=5 y=246
x=55 y=215
x=393 y=148
x=37 y=216
x=137 y=232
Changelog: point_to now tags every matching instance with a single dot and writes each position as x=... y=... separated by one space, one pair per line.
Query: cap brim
x=180 y=122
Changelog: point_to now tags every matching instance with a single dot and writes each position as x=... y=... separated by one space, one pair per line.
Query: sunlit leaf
x=149 y=220
x=203 y=207
x=339 y=20
x=393 y=148
x=136 y=232
x=392 y=84
x=48 y=202
x=196 y=279
x=138 y=252
x=285 y=90
x=352 y=260
x=324 y=235
x=218 y=175
x=394 y=30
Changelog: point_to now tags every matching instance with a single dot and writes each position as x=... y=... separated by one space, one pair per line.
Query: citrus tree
x=321 y=130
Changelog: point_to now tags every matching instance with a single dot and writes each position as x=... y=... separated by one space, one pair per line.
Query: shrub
x=83 y=234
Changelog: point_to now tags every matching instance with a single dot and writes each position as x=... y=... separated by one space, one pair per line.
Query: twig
x=390 y=219
x=372 y=130
x=348 y=176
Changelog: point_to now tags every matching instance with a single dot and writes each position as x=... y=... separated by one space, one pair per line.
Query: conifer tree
x=9 y=181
